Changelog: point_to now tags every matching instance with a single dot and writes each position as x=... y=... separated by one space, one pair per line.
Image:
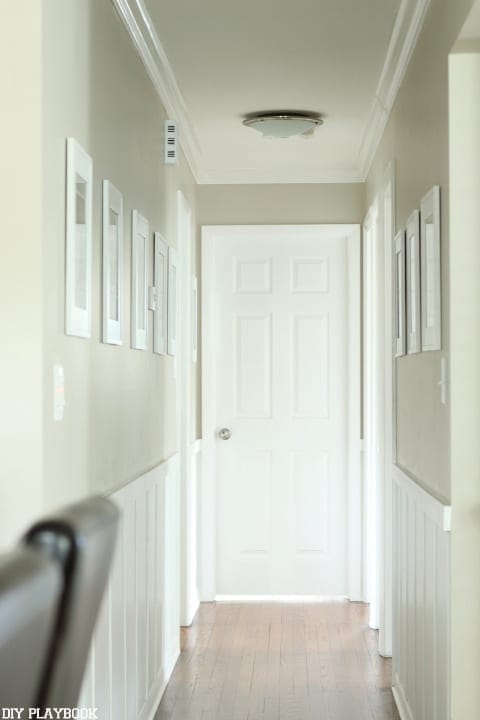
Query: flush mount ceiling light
x=284 y=124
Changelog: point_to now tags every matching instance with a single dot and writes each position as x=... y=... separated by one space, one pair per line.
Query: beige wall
x=120 y=416
x=20 y=268
x=465 y=380
x=280 y=204
x=417 y=138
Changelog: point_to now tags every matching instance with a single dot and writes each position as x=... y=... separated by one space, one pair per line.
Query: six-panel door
x=281 y=390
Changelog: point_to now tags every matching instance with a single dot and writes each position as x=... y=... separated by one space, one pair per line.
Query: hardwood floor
x=279 y=661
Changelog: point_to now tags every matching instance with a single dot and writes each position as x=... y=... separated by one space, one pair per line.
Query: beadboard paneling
x=421 y=595
x=137 y=638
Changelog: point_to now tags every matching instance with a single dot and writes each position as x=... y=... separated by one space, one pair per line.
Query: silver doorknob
x=225 y=434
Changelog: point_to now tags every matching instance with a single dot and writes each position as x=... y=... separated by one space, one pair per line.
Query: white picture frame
x=413 y=286
x=173 y=281
x=160 y=279
x=112 y=264
x=140 y=241
x=194 y=319
x=430 y=259
x=399 y=285
x=78 y=245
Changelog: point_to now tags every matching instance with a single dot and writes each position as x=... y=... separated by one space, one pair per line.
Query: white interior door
x=281 y=382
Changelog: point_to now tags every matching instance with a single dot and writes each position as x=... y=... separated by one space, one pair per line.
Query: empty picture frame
x=194 y=319
x=172 y=302
x=412 y=242
x=140 y=233
x=430 y=270
x=112 y=217
x=78 y=249
x=160 y=279
x=399 y=270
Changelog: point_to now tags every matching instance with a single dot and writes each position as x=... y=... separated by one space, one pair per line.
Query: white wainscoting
x=421 y=602
x=137 y=639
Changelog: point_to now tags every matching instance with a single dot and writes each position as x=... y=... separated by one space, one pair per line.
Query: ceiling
x=219 y=60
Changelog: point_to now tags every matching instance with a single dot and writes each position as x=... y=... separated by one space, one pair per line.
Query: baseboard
x=155 y=700
x=156 y=696
x=401 y=703
x=170 y=665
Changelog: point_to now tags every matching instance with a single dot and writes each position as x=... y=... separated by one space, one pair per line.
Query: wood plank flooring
x=279 y=661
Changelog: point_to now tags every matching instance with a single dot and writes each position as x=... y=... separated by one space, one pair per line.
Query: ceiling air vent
x=171 y=141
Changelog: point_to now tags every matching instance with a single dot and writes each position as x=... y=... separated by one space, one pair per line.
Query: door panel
x=310 y=380
x=253 y=366
x=281 y=318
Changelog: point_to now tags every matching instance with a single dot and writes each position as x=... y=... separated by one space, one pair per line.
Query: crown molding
x=404 y=37
x=142 y=31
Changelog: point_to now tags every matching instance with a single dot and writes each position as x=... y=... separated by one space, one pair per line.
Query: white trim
x=401 y=703
x=404 y=37
x=372 y=408
x=194 y=319
x=208 y=529
x=355 y=574
x=387 y=233
x=439 y=512
x=405 y=33
x=189 y=597
x=210 y=234
x=147 y=43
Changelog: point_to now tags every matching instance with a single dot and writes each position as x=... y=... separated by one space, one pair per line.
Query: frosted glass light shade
x=283 y=126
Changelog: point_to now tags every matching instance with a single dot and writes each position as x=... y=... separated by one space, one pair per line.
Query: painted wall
x=120 y=415
x=280 y=204
x=20 y=269
x=417 y=138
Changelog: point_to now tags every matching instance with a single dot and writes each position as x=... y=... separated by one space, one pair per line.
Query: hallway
x=279 y=661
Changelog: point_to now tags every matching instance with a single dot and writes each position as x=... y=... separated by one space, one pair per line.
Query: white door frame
x=210 y=235
x=387 y=230
x=188 y=541
x=379 y=382
x=372 y=406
